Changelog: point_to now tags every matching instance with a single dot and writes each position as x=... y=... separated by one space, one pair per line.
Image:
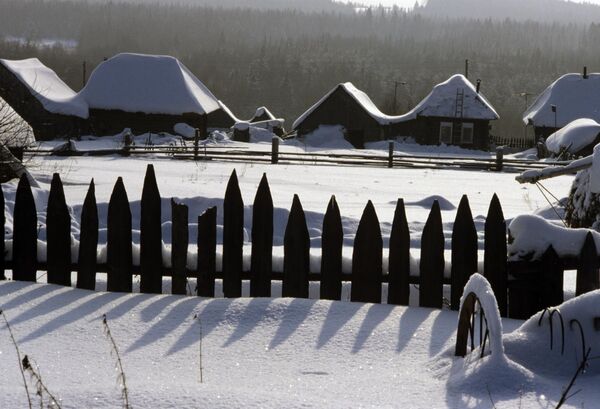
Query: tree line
x=287 y=59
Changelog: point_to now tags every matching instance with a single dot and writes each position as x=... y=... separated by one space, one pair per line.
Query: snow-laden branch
x=533 y=176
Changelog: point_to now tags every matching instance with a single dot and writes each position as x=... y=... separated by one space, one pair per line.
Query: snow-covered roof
x=263 y=111
x=574 y=97
x=359 y=96
x=228 y=111
x=47 y=87
x=574 y=136
x=441 y=102
x=153 y=84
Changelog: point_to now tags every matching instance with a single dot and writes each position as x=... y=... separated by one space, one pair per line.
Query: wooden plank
x=58 y=235
x=207 y=252
x=587 y=273
x=88 y=241
x=261 y=264
x=464 y=251
x=367 y=258
x=233 y=238
x=24 y=255
x=551 y=280
x=2 y=236
x=150 y=236
x=119 y=253
x=179 y=247
x=495 y=257
x=296 y=253
x=432 y=264
x=399 y=258
x=332 y=242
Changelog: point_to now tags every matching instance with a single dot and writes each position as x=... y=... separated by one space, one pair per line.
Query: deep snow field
x=273 y=352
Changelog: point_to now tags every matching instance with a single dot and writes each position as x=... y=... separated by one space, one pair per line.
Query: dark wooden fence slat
x=495 y=257
x=24 y=256
x=367 y=258
x=2 y=236
x=464 y=251
x=58 y=235
x=150 y=236
x=296 y=253
x=431 y=267
x=119 y=252
x=179 y=247
x=88 y=241
x=587 y=273
x=233 y=238
x=332 y=242
x=552 y=280
x=261 y=264
x=399 y=258
x=207 y=252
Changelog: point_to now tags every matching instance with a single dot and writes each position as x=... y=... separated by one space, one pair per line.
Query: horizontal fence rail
x=516 y=284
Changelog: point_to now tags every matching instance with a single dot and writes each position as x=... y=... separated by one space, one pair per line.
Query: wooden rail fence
x=516 y=285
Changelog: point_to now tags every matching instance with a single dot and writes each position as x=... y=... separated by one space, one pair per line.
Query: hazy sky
x=410 y=3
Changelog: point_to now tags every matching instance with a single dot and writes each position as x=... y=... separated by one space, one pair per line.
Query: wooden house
x=570 y=97
x=454 y=113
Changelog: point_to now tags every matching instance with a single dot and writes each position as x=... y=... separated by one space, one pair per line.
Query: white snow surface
x=574 y=97
x=153 y=84
x=185 y=130
x=327 y=136
x=441 y=102
x=574 y=136
x=56 y=96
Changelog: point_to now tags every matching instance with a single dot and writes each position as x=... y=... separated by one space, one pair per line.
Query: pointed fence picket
x=521 y=287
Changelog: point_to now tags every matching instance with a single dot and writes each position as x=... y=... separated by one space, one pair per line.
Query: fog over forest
x=287 y=58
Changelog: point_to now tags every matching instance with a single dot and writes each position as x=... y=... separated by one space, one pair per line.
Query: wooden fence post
x=332 y=242
x=150 y=236
x=58 y=235
x=207 y=252
x=261 y=264
x=551 y=280
x=390 y=154
x=495 y=256
x=233 y=238
x=88 y=242
x=275 y=150
x=367 y=260
x=587 y=273
x=296 y=253
x=431 y=267
x=499 y=158
x=196 y=143
x=179 y=247
x=464 y=251
x=24 y=254
x=2 y=236
x=119 y=253
x=399 y=258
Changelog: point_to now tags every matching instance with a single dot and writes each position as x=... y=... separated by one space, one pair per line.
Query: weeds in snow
x=119 y=365
x=197 y=318
x=14 y=342
x=40 y=387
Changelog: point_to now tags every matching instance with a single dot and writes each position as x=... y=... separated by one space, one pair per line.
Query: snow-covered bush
x=583 y=206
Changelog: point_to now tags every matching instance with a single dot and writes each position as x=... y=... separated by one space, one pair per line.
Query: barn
x=454 y=113
x=349 y=107
x=145 y=93
x=572 y=96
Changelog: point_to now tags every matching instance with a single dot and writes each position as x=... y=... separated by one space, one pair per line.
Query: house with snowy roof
x=145 y=93
x=454 y=113
x=572 y=96
x=349 y=107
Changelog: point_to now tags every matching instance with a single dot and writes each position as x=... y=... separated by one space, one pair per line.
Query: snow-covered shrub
x=583 y=206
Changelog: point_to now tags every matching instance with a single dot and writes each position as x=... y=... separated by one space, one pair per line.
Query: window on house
x=467 y=133
x=446 y=133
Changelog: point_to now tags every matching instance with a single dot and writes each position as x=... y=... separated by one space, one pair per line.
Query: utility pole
x=525 y=95
x=467 y=68
x=396 y=83
x=84 y=73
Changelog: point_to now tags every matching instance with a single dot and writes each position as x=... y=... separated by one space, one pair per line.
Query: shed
x=262 y=114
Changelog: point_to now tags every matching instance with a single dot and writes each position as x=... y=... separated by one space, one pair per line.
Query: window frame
x=443 y=126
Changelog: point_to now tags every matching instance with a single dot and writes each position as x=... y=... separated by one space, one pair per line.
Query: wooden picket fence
x=366 y=275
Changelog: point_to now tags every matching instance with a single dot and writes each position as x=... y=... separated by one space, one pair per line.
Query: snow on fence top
x=359 y=96
x=574 y=97
x=575 y=136
x=532 y=235
x=441 y=102
x=47 y=87
x=152 y=84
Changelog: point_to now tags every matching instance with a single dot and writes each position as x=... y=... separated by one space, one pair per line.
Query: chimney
x=478 y=85
x=585 y=74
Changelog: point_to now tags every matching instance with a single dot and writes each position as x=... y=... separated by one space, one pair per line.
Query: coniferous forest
x=287 y=59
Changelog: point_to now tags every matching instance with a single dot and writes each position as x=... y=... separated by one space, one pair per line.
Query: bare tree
x=14 y=131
